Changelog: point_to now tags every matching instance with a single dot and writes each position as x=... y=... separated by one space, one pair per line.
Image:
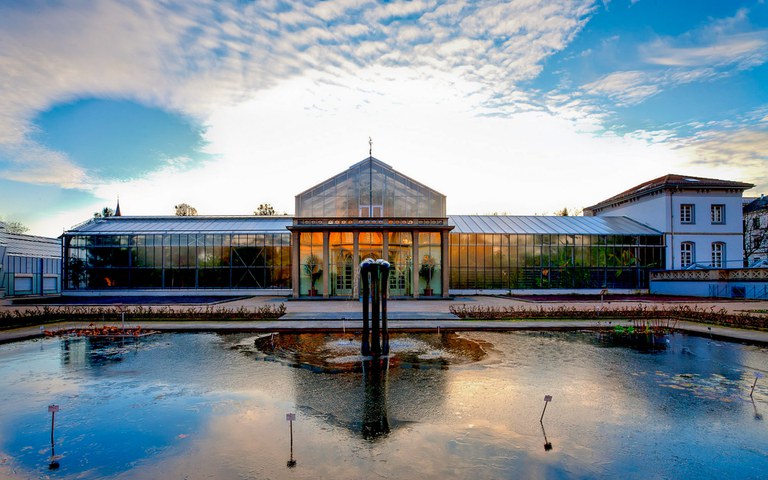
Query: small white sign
x=53 y=408
x=290 y=417
x=759 y=375
x=547 y=398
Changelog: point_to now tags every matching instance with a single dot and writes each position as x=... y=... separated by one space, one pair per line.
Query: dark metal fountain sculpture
x=375 y=278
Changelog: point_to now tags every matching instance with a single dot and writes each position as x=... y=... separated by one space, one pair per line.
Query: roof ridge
x=671 y=180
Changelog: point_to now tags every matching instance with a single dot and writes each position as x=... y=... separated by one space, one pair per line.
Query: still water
x=466 y=405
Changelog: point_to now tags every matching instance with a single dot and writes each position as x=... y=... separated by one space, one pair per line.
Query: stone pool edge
x=415 y=325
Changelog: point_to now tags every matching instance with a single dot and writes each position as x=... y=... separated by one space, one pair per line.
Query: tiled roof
x=672 y=181
x=760 y=203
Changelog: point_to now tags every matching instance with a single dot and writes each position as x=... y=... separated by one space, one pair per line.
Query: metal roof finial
x=370 y=147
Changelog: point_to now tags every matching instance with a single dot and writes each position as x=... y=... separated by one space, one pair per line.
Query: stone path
x=413 y=315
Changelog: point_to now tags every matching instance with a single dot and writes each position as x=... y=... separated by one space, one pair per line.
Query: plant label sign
x=547 y=398
x=53 y=408
x=290 y=417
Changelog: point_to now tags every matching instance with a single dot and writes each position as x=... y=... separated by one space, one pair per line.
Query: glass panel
x=311 y=266
x=371 y=245
x=430 y=266
x=370 y=189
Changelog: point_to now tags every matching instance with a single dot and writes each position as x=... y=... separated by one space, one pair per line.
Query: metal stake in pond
x=53 y=408
x=375 y=310
x=757 y=375
x=547 y=443
x=375 y=278
x=547 y=399
x=384 y=274
x=365 y=270
x=290 y=417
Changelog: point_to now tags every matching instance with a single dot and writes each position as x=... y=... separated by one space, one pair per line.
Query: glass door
x=401 y=263
x=342 y=263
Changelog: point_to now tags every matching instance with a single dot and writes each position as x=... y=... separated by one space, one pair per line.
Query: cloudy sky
x=522 y=107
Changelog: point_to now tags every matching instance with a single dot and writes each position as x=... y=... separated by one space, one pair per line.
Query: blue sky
x=520 y=107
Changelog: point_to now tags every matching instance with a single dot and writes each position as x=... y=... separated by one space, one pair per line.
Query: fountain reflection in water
x=375 y=383
x=370 y=396
x=336 y=353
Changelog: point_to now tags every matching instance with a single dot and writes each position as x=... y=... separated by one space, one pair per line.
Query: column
x=295 y=279
x=446 y=264
x=326 y=264
x=355 y=264
x=416 y=263
x=385 y=245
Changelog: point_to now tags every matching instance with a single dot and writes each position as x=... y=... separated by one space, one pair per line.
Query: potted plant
x=313 y=271
x=426 y=271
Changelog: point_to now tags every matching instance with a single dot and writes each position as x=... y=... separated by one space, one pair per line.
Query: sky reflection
x=204 y=405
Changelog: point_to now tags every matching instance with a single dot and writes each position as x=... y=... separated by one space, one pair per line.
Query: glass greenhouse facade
x=119 y=253
x=367 y=211
x=513 y=261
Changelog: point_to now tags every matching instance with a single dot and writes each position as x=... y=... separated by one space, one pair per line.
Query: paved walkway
x=418 y=315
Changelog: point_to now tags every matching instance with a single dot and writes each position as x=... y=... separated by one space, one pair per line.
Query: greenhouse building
x=368 y=211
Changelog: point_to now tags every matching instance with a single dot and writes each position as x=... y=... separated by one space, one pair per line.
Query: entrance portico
x=370 y=211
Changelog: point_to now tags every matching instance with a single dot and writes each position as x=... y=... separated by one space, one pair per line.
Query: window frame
x=713 y=208
x=718 y=248
x=687 y=249
x=689 y=217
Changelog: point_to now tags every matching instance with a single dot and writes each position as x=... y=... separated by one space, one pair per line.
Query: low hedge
x=641 y=312
x=26 y=317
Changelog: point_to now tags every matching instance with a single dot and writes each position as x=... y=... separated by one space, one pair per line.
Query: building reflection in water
x=79 y=352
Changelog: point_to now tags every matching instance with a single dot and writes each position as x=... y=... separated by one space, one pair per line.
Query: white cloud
x=271 y=148
x=745 y=50
x=719 y=49
x=740 y=152
x=290 y=97
x=628 y=87
x=196 y=56
x=40 y=166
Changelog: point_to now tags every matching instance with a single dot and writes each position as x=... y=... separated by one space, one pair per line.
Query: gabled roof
x=174 y=224
x=672 y=182
x=536 y=224
x=760 y=203
x=370 y=188
x=372 y=162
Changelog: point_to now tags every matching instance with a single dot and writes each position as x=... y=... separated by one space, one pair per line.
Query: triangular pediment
x=370 y=188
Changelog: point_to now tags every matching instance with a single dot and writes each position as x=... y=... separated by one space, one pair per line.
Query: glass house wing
x=370 y=188
x=546 y=225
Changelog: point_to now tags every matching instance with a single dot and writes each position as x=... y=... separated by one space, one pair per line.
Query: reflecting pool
x=449 y=405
